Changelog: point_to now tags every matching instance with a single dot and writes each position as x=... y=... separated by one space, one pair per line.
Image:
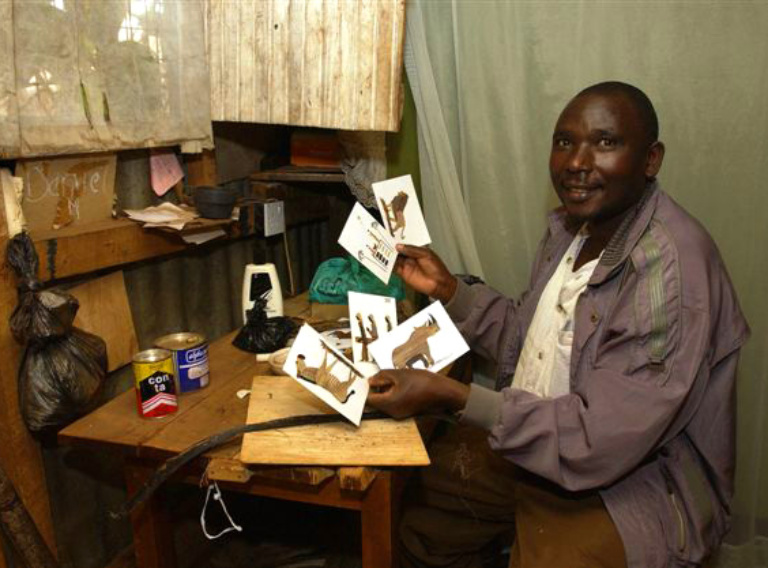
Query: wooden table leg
x=378 y=523
x=152 y=530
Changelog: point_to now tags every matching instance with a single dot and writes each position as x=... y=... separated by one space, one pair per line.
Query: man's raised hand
x=425 y=272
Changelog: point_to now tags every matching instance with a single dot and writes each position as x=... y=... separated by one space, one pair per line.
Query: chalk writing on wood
x=64 y=191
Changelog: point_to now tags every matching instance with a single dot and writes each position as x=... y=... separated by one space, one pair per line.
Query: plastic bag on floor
x=63 y=367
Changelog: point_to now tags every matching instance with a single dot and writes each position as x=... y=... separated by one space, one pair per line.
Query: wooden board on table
x=375 y=443
x=104 y=311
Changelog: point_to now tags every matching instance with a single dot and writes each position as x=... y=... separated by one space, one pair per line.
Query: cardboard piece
x=399 y=207
x=104 y=311
x=429 y=340
x=369 y=242
x=75 y=190
x=321 y=369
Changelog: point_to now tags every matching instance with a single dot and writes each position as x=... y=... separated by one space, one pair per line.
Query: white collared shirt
x=544 y=365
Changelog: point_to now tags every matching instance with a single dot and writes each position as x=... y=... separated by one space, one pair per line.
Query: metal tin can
x=155 y=385
x=190 y=359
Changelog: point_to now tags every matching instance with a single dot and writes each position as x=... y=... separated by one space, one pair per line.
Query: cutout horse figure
x=416 y=347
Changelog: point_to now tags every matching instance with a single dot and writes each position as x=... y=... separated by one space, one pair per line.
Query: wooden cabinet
x=324 y=63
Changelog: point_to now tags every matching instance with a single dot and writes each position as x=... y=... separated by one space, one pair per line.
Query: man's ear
x=654 y=159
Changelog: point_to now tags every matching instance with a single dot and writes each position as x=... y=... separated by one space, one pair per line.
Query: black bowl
x=214 y=202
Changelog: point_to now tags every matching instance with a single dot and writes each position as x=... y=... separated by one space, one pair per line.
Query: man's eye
x=562 y=142
x=606 y=142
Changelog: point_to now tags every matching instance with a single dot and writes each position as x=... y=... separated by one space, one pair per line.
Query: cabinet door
x=94 y=75
x=324 y=63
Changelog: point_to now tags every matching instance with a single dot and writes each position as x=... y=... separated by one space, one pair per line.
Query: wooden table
x=146 y=443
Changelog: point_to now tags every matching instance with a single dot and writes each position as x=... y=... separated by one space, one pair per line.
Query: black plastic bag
x=261 y=334
x=63 y=368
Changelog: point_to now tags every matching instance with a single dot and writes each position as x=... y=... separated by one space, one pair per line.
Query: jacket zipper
x=680 y=522
x=681 y=533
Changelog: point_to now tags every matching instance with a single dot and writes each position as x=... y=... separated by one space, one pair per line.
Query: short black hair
x=638 y=98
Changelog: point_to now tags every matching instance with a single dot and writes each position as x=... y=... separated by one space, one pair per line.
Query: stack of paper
x=165 y=215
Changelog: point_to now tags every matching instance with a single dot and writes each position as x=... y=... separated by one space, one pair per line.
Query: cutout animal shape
x=367 y=335
x=416 y=347
x=322 y=377
x=395 y=213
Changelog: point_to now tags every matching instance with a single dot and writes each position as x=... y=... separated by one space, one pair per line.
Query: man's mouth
x=578 y=193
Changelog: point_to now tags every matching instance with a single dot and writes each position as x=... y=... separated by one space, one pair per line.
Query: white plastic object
x=260 y=280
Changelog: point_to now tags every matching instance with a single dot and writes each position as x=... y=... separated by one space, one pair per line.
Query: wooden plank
x=323 y=63
x=201 y=168
x=19 y=453
x=356 y=478
x=104 y=311
x=303 y=475
x=73 y=251
x=288 y=174
x=376 y=442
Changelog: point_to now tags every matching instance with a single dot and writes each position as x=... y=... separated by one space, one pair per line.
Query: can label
x=155 y=387
x=190 y=359
x=192 y=368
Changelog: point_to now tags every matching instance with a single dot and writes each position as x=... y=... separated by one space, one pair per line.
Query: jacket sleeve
x=646 y=362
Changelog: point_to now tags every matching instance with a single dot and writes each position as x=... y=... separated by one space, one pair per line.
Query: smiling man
x=610 y=439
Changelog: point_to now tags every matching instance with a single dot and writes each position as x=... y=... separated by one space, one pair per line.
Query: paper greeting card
x=429 y=340
x=370 y=317
x=401 y=212
x=368 y=241
x=326 y=373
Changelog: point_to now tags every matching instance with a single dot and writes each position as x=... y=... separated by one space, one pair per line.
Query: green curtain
x=503 y=70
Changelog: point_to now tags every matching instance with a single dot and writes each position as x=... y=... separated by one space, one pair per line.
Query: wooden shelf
x=292 y=174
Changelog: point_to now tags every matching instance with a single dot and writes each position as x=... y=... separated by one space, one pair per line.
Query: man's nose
x=580 y=158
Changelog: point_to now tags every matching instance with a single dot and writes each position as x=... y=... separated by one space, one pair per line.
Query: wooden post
x=377 y=517
x=152 y=531
x=20 y=455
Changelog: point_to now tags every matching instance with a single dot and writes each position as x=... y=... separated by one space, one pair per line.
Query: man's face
x=601 y=157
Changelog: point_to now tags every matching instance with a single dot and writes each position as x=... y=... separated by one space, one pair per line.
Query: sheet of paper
x=368 y=241
x=370 y=317
x=203 y=237
x=164 y=170
x=400 y=210
x=428 y=340
x=326 y=373
x=164 y=215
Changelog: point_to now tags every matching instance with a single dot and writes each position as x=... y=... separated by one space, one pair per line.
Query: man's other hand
x=425 y=272
x=408 y=392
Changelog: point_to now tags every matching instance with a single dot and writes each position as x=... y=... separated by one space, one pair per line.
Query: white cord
x=288 y=262
x=214 y=488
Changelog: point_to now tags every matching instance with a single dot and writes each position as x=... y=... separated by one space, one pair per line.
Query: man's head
x=605 y=149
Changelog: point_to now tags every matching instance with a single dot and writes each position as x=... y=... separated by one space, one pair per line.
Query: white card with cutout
x=327 y=374
x=370 y=317
x=368 y=241
x=428 y=340
x=400 y=210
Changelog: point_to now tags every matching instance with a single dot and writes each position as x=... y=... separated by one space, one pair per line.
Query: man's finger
x=413 y=251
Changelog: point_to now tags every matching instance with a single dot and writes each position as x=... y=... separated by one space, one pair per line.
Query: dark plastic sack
x=337 y=276
x=63 y=368
x=261 y=334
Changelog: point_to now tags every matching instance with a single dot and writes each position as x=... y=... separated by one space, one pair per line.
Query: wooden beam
x=19 y=453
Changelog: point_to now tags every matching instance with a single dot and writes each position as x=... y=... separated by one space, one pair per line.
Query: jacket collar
x=623 y=240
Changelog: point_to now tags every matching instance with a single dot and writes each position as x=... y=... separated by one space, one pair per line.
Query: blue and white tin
x=190 y=359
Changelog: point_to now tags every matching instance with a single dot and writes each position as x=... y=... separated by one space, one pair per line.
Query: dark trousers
x=469 y=504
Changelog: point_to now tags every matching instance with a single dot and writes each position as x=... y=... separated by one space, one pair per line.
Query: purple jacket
x=650 y=420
